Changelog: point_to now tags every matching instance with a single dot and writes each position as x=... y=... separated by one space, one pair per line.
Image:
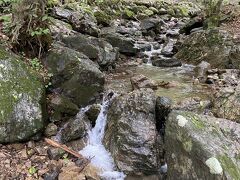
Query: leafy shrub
x=30 y=27
x=212 y=12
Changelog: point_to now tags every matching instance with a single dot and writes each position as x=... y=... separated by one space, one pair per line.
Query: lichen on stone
x=214 y=166
x=182 y=121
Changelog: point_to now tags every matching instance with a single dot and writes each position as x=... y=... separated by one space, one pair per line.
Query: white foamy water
x=152 y=52
x=96 y=151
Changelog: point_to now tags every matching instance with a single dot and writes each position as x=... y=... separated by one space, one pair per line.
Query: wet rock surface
x=75 y=128
x=206 y=149
x=144 y=140
x=166 y=62
x=141 y=81
x=131 y=132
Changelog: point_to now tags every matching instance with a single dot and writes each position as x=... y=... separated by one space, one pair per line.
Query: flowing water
x=180 y=78
x=95 y=149
x=152 y=52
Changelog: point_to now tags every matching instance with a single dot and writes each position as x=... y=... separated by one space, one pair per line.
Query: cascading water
x=96 y=151
x=152 y=52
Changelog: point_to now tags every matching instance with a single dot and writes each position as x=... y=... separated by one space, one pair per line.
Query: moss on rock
x=214 y=46
x=22 y=98
x=230 y=166
x=102 y=18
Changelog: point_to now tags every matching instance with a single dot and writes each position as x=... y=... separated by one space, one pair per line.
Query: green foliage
x=6 y=19
x=5 y=2
x=32 y=170
x=30 y=27
x=52 y=2
x=212 y=12
x=36 y=64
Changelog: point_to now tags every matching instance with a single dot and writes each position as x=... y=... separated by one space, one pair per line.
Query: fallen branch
x=67 y=149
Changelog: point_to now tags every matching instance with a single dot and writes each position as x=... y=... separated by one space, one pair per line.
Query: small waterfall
x=152 y=52
x=95 y=150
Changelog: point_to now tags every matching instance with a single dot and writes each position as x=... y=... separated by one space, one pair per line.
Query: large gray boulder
x=95 y=48
x=161 y=61
x=202 y=147
x=22 y=97
x=80 y=21
x=125 y=45
x=214 y=46
x=151 y=24
x=74 y=74
x=131 y=133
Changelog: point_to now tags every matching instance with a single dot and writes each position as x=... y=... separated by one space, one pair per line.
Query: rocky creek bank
x=172 y=91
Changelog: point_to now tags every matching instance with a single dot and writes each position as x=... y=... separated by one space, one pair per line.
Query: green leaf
x=46 y=31
x=45 y=17
x=32 y=170
x=33 y=33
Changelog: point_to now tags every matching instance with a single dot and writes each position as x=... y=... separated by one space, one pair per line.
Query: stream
x=95 y=149
x=183 y=88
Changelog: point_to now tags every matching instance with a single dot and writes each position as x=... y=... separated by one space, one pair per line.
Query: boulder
x=201 y=71
x=125 y=45
x=193 y=104
x=22 y=97
x=61 y=104
x=163 y=108
x=51 y=130
x=96 y=49
x=201 y=147
x=226 y=103
x=74 y=75
x=60 y=28
x=75 y=128
x=214 y=46
x=93 y=112
x=131 y=133
x=82 y=22
x=131 y=31
x=193 y=23
x=150 y=23
x=166 y=62
x=169 y=48
x=141 y=81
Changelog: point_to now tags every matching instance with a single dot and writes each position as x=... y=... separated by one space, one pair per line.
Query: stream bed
x=180 y=79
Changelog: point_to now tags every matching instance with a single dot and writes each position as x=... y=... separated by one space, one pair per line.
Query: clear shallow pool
x=180 y=78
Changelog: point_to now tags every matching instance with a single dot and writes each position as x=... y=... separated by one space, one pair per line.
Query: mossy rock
x=148 y=12
x=154 y=10
x=200 y=146
x=214 y=46
x=74 y=74
x=22 y=96
x=138 y=9
x=102 y=18
x=128 y=14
